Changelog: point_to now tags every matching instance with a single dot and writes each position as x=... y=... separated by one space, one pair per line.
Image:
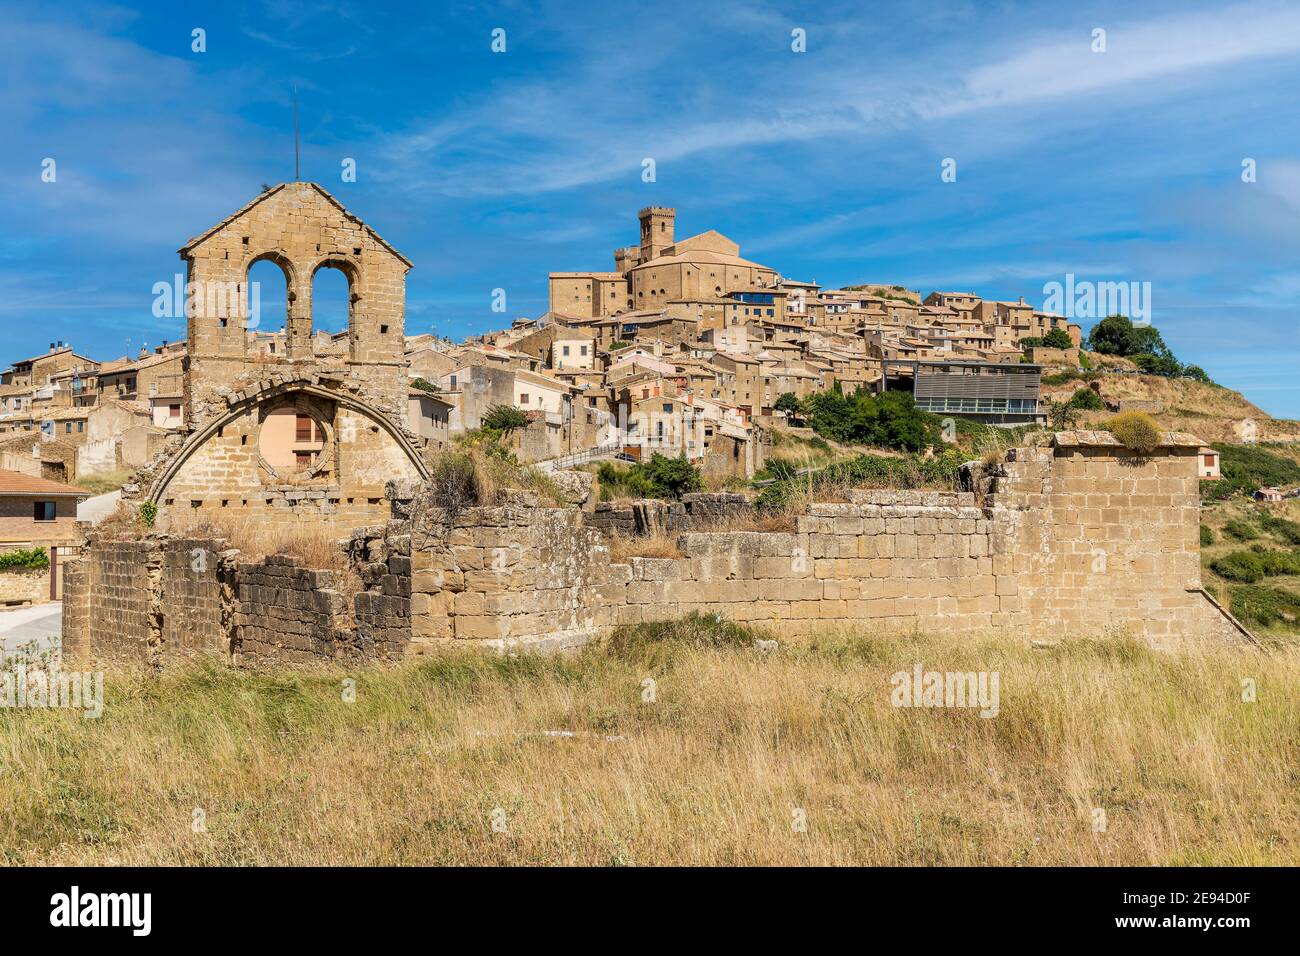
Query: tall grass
x=586 y=762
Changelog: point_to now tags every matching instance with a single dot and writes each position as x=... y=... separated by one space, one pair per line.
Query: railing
x=581 y=457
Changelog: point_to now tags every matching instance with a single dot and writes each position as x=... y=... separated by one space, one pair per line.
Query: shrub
x=24 y=559
x=1239 y=566
x=1136 y=430
x=1087 y=399
x=660 y=477
x=1248 y=467
x=1277 y=563
x=889 y=420
x=1058 y=339
x=455 y=483
x=424 y=385
x=148 y=513
x=1061 y=415
x=1207 y=537
x=504 y=419
x=1240 y=530
x=673 y=476
x=1265 y=606
x=1281 y=528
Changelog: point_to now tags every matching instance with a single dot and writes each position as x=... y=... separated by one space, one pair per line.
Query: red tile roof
x=16 y=483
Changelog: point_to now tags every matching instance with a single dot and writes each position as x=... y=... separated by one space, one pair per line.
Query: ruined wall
x=166 y=597
x=110 y=599
x=302 y=229
x=1086 y=539
x=1080 y=540
x=228 y=477
x=287 y=614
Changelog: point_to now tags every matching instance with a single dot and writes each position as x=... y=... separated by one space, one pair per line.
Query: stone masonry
x=354 y=398
x=1081 y=539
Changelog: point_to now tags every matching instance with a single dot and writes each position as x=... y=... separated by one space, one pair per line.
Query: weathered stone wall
x=1083 y=539
x=192 y=615
x=693 y=512
x=287 y=614
x=1079 y=540
x=30 y=586
x=111 y=598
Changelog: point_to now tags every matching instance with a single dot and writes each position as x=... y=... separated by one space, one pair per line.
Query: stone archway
x=245 y=403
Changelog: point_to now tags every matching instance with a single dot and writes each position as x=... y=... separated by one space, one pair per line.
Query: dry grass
x=103 y=481
x=622 y=547
x=286 y=772
x=315 y=546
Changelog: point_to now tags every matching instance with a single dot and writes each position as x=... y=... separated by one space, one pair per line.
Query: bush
x=34 y=559
x=148 y=513
x=1278 y=563
x=1281 y=528
x=504 y=419
x=1088 y=400
x=1207 y=537
x=1241 y=566
x=455 y=483
x=1240 y=530
x=660 y=477
x=1136 y=430
x=1265 y=606
x=1058 y=339
x=1248 y=467
x=888 y=420
x=424 y=385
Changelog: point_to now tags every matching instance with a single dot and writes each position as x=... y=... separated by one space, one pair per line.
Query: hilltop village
x=684 y=348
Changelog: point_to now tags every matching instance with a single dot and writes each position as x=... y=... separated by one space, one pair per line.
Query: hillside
x=1209 y=411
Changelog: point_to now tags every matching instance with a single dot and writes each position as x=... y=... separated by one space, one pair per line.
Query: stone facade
x=24 y=586
x=353 y=402
x=1083 y=539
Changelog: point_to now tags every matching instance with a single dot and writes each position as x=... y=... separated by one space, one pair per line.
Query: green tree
x=1058 y=339
x=504 y=419
x=674 y=477
x=1087 y=399
x=1062 y=415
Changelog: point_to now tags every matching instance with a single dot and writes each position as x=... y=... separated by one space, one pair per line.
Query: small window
x=583 y=350
x=523 y=398
x=565 y=351
x=306 y=428
x=44 y=511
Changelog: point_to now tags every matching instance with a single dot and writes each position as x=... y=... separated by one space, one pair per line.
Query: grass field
x=715 y=770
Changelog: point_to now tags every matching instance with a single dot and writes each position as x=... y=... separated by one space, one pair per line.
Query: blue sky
x=490 y=169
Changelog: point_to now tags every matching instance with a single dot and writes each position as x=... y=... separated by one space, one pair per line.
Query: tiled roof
x=16 y=483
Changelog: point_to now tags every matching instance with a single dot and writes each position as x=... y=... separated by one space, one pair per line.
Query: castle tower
x=626 y=258
x=656 y=231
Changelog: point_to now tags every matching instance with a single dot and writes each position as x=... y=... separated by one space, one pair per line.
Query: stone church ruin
x=311 y=434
